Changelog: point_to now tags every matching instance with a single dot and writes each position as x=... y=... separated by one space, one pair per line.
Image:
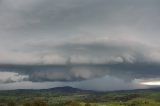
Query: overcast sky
x=89 y=44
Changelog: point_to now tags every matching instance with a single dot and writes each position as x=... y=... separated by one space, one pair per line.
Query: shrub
x=39 y=102
x=87 y=104
x=74 y=103
x=11 y=103
x=27 y=104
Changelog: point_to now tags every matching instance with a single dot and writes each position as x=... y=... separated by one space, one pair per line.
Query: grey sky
x=79 y=41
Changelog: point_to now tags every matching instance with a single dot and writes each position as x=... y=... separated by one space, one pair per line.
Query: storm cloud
x=69 y=41
x=124 y=71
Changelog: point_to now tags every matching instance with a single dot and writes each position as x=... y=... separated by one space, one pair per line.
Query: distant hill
x=153 y=89
x=68 y=89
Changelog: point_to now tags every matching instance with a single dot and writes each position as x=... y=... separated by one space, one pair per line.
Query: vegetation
x=79 y=98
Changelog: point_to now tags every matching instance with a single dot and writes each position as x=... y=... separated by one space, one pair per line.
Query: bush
x=39 y=102
x=74 y=103
x=87 y=104
x=2 y=104
x=11 y=103
x=27 y=104
x=36 y=102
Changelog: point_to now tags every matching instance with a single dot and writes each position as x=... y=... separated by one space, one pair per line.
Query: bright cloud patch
x=10 y=77
x=152 y=83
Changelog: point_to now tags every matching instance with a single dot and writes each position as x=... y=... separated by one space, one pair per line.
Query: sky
x=88 y=44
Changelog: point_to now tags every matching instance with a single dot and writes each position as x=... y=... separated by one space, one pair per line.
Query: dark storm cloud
x=124 y=71
x=56 y=72
x=78 y=40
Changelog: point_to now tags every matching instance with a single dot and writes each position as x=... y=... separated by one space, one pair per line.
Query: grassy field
x=65 y=97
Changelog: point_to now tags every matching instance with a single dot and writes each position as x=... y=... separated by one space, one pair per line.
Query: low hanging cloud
x=124 y=71
x=11 y=77
x=55 y=72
